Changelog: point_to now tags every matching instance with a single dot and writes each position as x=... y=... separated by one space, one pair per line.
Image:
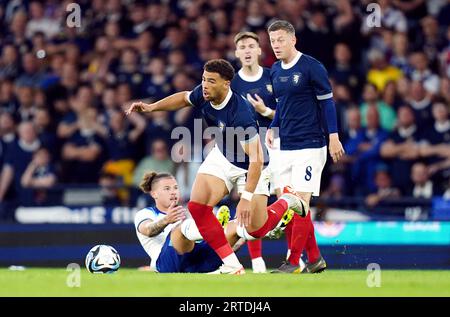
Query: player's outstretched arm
x=170 y=103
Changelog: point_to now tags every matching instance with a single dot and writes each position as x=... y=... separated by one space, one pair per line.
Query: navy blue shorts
x=201 y=259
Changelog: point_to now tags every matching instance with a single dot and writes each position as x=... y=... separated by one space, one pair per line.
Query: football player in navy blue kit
x=252 y=81
x=303 y=93
x=236 y=159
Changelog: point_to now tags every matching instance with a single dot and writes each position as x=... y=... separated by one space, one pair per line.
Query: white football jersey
x=152 y=245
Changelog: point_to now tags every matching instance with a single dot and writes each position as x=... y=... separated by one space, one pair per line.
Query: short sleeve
x=195 y=97
x=143 y=215
x=320 y=82
x=10 y=154
x=245 y=119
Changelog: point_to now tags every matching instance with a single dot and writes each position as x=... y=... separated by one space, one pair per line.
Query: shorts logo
x=296 y=78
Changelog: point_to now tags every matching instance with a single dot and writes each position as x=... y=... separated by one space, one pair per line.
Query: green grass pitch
x=131 y=282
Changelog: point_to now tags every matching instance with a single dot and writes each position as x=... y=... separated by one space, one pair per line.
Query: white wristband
x=247 y=195
x=267 y=112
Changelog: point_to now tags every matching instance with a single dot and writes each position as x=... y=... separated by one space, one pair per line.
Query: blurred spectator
x=82 y=152
x=159 y=127
x=365 y=149
x=9 y=62
x=335 y=190
x=128 y=71
x=7 y=128
x=399 y=52
x=344 y=72
x=380 y=72
x=401 y=148
x=39 y=176
x=39 y=22
x=158 y=160
x=26 y=110
x=256 y=19
x=186 y=167
x=352 y=124
x=420 y=101
x=391 y=97
x=121 y=145
x=430 y=40
x=316 y=30
x=423 y=187
x=8 y=100
x=45 y=130
x=31 y=74
x=435 y=145
x=138 y=17
x=144 y=46
x=66 y=85
x=440 y=132
x=19 y=154
x=157 y=86
x=79 y=105
x=16 y=32
x=421 y=72
x=99 y=60
x=346 y=24
x=109 y=185
x=386 y=113
x=384 y=191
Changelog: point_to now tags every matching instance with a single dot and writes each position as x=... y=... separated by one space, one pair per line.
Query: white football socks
x=258 y=265
x=232 y=260
x=190 y=231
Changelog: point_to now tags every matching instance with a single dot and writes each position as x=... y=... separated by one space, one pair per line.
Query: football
x=102 y=259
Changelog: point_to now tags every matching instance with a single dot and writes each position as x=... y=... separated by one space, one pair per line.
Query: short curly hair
x=220 y=66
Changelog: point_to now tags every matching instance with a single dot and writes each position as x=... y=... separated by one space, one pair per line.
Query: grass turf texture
x=131 y=282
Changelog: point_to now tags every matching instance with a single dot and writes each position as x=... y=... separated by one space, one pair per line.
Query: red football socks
x=255 y=248
x=210 y=228
x=303 y=237
x=274 y=214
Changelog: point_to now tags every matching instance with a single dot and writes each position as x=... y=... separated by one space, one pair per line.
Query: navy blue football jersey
x=298 y=87
x=261 y=86
x=232 y=117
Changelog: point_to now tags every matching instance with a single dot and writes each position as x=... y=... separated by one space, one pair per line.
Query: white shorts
x=302 y=169
x=217 y=165
x=274 y=165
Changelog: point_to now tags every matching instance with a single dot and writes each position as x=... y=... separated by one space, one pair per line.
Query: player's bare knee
x=306 y=197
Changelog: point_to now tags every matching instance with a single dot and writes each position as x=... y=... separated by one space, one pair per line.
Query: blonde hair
x=246 y=35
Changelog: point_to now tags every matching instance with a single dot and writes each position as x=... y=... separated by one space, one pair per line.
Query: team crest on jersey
x=269 y=88
x=296 y=78
x=221 y=125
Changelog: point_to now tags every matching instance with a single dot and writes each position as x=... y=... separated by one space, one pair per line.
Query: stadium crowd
x=63 y=88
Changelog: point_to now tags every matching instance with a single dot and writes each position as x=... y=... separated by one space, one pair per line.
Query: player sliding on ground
x=237 y=159
x=171 y=238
